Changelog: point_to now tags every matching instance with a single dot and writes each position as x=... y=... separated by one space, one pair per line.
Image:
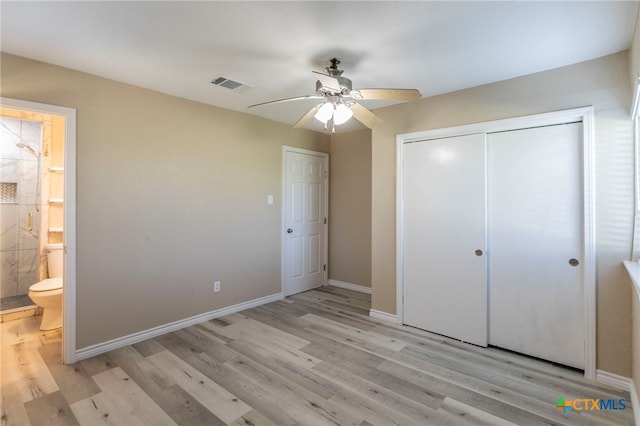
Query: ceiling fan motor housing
x=345 y=87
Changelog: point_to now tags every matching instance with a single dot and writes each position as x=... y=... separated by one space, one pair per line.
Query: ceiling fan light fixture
x=340 y=100
x=342 y=114
x=325 y=112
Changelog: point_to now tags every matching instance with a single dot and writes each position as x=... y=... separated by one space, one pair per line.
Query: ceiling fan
x=340 y=100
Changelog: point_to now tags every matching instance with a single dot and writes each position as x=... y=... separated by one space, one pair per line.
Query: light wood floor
x=312 y=359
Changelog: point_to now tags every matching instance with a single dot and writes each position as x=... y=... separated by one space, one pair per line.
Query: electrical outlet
x=216 y=286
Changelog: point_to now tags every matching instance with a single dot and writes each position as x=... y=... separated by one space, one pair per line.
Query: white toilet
x=48 y=293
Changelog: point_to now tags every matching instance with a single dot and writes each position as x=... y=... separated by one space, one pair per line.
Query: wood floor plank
x=488 y=389
x=471 y=398
x=51 y=410
x=347 y=293
x=302 y=375
x=287 y=353
x=97 y=364
x=491 y=354
x=12 y=410
x=260 y=399
x=147 y=347
x=347 y=301
x=365 y=366
x=311 y=359
x=369 y=411
x=252 y=418
x=303 y=405
x=340 y=304
x=218 y=400
x=465 y=414
x=123 y=398
x=128 y=397
x=353 y=333
x=175 y=401
x=360 y=321
x=23 y=365
x=200 y=339
x=73 y=381
x=272 y=333
x=423 y=412
x=529 y=384
x=563 y=383
x=19 y=331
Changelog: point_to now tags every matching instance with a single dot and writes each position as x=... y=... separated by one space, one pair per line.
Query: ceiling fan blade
x=387 y=94
x=308 y=116
x=364 y=116
x=297 y=98
x=328 y=82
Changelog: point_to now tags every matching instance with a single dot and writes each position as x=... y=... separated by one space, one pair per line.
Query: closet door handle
x=30 y=224
x=574 y=262
x=478 y=252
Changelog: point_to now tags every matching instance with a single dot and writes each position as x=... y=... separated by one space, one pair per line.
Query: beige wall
x=350 y=208
x=603 y=83
x=171 y=194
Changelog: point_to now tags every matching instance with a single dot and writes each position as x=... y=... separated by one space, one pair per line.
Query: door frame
x=584 y=115
x=69 y=221
x=283 y=225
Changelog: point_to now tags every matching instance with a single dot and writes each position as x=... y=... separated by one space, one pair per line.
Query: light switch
x=270 y=199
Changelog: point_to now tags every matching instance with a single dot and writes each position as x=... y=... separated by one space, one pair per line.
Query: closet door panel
x=535 y=229
x=444 y=225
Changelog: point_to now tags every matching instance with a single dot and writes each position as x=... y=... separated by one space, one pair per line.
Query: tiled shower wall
x=19 y=246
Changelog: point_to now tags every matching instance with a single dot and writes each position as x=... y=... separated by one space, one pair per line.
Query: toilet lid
x=47 y=285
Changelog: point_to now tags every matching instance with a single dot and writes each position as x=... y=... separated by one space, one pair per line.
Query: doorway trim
x=69 y=223
x=283 y=225
x=584 y=115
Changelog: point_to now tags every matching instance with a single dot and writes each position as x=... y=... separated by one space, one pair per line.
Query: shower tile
x=27 y=270
x=32 y=134
x=9 y=170
x=28 y=239
x=28 y=182
x=9 y=137
x=9 y=227
x=8 y=273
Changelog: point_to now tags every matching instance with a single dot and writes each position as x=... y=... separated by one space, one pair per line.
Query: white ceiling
x=178 y=47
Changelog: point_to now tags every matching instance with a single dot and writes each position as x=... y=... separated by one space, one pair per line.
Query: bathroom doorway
x=21 y=207
x=37 y=182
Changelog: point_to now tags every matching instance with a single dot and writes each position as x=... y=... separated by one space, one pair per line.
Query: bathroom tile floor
x=315 y=358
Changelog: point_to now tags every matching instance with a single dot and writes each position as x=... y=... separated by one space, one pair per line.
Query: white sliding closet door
x=444 y=231
x=535 y=239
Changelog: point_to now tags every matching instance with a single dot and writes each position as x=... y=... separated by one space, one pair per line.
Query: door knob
x=478 y=252
x=289 y=230
x=574 y=262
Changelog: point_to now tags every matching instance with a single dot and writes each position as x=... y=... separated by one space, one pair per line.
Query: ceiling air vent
x=225 y=82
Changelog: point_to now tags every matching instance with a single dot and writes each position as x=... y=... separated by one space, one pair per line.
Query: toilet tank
x=55 y=259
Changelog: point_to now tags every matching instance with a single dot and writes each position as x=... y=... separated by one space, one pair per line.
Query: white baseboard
x=110 y=345
x=349 y=286
x=383 y=316
x=614 y=380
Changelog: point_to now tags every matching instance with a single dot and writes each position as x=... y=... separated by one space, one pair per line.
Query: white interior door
x=535 y=239
x=444 y=237
x=305 y=207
